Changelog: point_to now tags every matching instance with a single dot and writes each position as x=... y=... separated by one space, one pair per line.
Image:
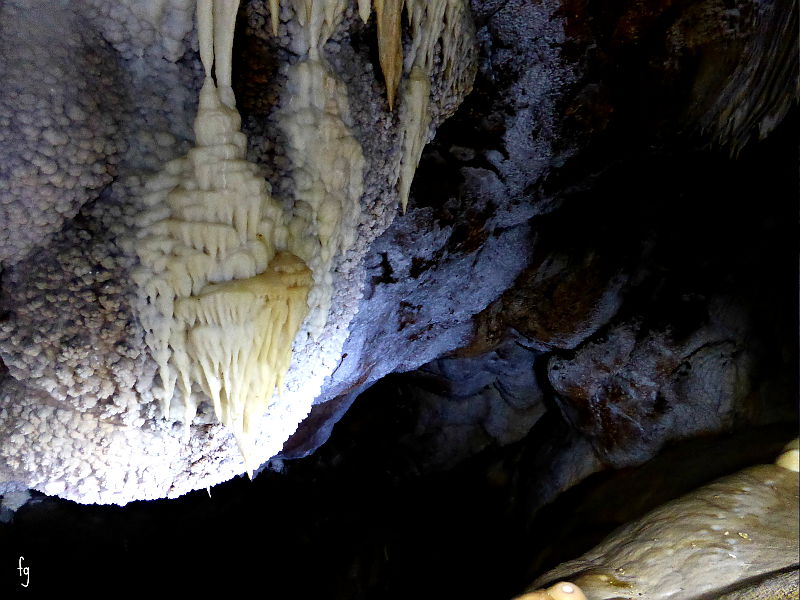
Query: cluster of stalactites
x=435 y=26
x=428 y=20
x=223 y=298
x=226 y=273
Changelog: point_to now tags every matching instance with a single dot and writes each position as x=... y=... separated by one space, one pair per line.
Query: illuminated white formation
x=229 y=276
x=327 y=162
x=223 y=298
x=436 y=29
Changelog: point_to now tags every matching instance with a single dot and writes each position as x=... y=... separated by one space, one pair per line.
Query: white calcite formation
x=430 y=22
x=438 y=31
x=226 y=275
x=188 y=301
x=327 y=162
x=739 y=527
x=222 y=295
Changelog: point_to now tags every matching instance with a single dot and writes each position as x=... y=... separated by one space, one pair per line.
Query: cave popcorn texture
x=80 y=409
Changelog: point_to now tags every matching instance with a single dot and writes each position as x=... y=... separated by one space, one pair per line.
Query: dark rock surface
x=656 y=295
